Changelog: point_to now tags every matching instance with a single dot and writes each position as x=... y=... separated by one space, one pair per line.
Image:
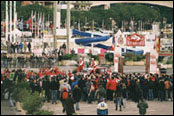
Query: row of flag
x=38 y=19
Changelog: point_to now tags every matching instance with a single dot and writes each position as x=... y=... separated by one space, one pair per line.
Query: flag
x=42 y=23
x=29 y=22
x=21 y=24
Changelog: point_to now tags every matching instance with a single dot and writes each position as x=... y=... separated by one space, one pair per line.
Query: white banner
x=117 y=54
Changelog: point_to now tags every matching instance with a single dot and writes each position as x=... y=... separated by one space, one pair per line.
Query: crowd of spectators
x=94 y=86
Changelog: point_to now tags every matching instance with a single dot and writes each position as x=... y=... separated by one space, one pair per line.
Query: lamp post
x=68 y=25
x=54 y=29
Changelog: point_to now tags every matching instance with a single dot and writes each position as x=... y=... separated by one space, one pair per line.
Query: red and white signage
x=135 y=40
x=153 y=61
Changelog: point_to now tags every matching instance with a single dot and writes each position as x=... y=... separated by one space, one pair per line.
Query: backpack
x=65 y=95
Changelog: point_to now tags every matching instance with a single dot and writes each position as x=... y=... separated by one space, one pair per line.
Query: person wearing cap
x=102 y=108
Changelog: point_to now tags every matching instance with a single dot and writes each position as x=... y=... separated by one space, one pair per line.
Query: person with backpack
x=64 y=96
x=102 y=108
x=142 y=105
x=69 y=105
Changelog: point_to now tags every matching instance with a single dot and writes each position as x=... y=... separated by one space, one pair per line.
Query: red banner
x=135 y=40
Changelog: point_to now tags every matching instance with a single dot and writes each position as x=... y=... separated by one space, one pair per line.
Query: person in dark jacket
x=118 y=97
x=142 y=105
x=69 y=105
x=77 y=96
x=54 y=89
x=100 y=93
x=46 y=87
x=29 y=47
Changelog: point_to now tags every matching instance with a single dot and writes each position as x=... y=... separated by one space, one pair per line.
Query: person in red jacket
x=111 y=87
x=93 y=65
x=81 y=65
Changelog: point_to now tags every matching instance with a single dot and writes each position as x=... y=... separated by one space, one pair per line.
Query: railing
x=27 y=62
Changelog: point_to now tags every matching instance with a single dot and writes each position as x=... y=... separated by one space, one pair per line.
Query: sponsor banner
x=135 y=40
x=153 y=61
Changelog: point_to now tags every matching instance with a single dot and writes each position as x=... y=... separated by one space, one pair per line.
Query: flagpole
x=68 y=26
x=54 y=22
x=6 y=21
x=32 y=22
x=79 y=25
x=38 y=23
x=43 y=21
x=10 y=20
x=48 y=21
x=35 y=25
x=14 y=20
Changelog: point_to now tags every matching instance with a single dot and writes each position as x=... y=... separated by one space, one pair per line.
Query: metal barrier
x=34 y=62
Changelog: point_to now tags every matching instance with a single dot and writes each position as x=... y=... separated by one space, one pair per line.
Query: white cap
x=72 y=78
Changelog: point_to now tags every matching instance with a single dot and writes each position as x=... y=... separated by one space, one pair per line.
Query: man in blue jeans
x=54 y=89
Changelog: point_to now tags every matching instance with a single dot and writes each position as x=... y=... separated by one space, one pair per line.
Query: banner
x=117 y=54
x=153 y=61
x=135 y=40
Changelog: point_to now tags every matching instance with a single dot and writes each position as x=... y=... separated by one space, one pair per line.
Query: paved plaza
x=127 y=69
x=155 y=108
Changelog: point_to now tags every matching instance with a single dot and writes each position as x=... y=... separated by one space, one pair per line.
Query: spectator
x=21 y=47
x=142 y=105
x=46 y=88
x=118 y=96
x=54 y=89
x=29 y=47
x=69 y=105
x=100 y=93
x=167 y=86
x=77 y=96
x=111 y=87
x=102 y=108
x=64 y=96
x=91 y=93
x=17 y=47
x=25 y=47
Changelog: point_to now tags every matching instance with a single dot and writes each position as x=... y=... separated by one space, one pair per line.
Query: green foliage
x=170 y=60
x=109 y=57
x=21 y=91
x=69 y=57
x=133 y=57
x=32 y=103
x=118 y=12
x=20 y=94
x=96 y=57
x=160 y=58
x=43 y=112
